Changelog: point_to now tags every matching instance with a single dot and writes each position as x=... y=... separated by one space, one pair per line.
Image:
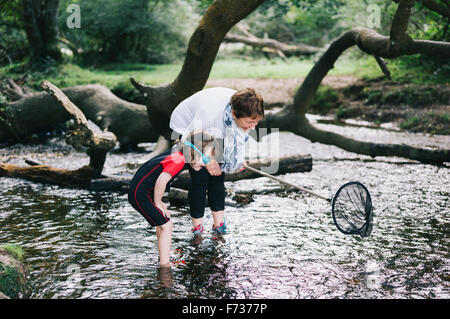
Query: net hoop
x=366 y=228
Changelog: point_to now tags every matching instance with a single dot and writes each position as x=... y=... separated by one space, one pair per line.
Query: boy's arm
x=160 y=187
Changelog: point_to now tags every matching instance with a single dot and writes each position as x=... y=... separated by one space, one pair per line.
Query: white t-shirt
x=204 y=111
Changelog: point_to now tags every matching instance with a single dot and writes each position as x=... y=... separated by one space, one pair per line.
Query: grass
x=15 y=250
x=110 y=75
x=429 y=122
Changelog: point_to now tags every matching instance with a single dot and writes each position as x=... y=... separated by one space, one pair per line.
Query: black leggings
x=200 y=182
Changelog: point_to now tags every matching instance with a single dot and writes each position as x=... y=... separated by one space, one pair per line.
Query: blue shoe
x=221 y=229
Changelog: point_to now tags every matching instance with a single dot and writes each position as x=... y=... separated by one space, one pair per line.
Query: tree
x=221 y=15
x=40 y=21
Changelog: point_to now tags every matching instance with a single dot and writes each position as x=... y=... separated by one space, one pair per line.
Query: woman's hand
x=162 y=207
x=213 y=168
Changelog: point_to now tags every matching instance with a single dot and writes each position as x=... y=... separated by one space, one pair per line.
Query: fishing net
x=352 y=209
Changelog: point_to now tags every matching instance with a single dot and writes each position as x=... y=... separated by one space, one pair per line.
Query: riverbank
x=415 y=101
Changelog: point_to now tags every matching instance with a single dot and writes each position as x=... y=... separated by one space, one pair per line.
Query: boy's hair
x=200 y=139
x=247 y=103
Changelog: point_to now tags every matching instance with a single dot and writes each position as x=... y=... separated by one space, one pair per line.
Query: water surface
x=82 y=244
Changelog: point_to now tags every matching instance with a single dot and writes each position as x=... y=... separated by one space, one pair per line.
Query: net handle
x=287 y=183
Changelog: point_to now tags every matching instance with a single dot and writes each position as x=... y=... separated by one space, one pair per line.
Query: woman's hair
x=247 y=103
x=200 y=139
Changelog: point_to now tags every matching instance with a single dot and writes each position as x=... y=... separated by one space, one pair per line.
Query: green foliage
x=410 y=123
x=310 y=22
x=430 y=122
x=13 y=42
x=10 y=14
x=115 y=32
x=137 y=30
x=326 y=99
x=413 y=96
x=424 y=24
x=320 y=16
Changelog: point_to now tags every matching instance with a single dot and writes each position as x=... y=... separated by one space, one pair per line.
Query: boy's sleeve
x=173 y=163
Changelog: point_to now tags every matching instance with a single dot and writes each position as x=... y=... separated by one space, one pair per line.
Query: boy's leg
x=164 y=235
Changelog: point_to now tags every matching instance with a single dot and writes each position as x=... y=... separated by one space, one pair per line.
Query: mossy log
x=36 y=112
x=49 y=175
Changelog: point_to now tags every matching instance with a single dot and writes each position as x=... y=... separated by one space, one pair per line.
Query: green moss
x=12 y=271
x=10 y=281
x=125 y=90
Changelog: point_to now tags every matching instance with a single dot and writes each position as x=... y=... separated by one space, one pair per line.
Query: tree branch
x=442 y=9
x=383 y=67
x=276 y=46
x=399 y=25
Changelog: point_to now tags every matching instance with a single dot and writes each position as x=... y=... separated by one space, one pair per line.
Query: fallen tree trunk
x=282 y=49
x=86 y=177
x=35 y=112
x=80 y=178
x=98 y=143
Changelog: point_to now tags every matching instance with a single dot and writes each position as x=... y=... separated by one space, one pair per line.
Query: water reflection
x=165 y=276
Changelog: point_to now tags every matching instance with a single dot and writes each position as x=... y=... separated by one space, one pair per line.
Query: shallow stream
x=81 y=244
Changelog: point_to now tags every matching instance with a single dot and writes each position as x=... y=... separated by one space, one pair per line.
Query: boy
x=155 y=176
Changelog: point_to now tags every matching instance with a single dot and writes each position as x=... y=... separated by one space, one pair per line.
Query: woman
x=226 y=114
